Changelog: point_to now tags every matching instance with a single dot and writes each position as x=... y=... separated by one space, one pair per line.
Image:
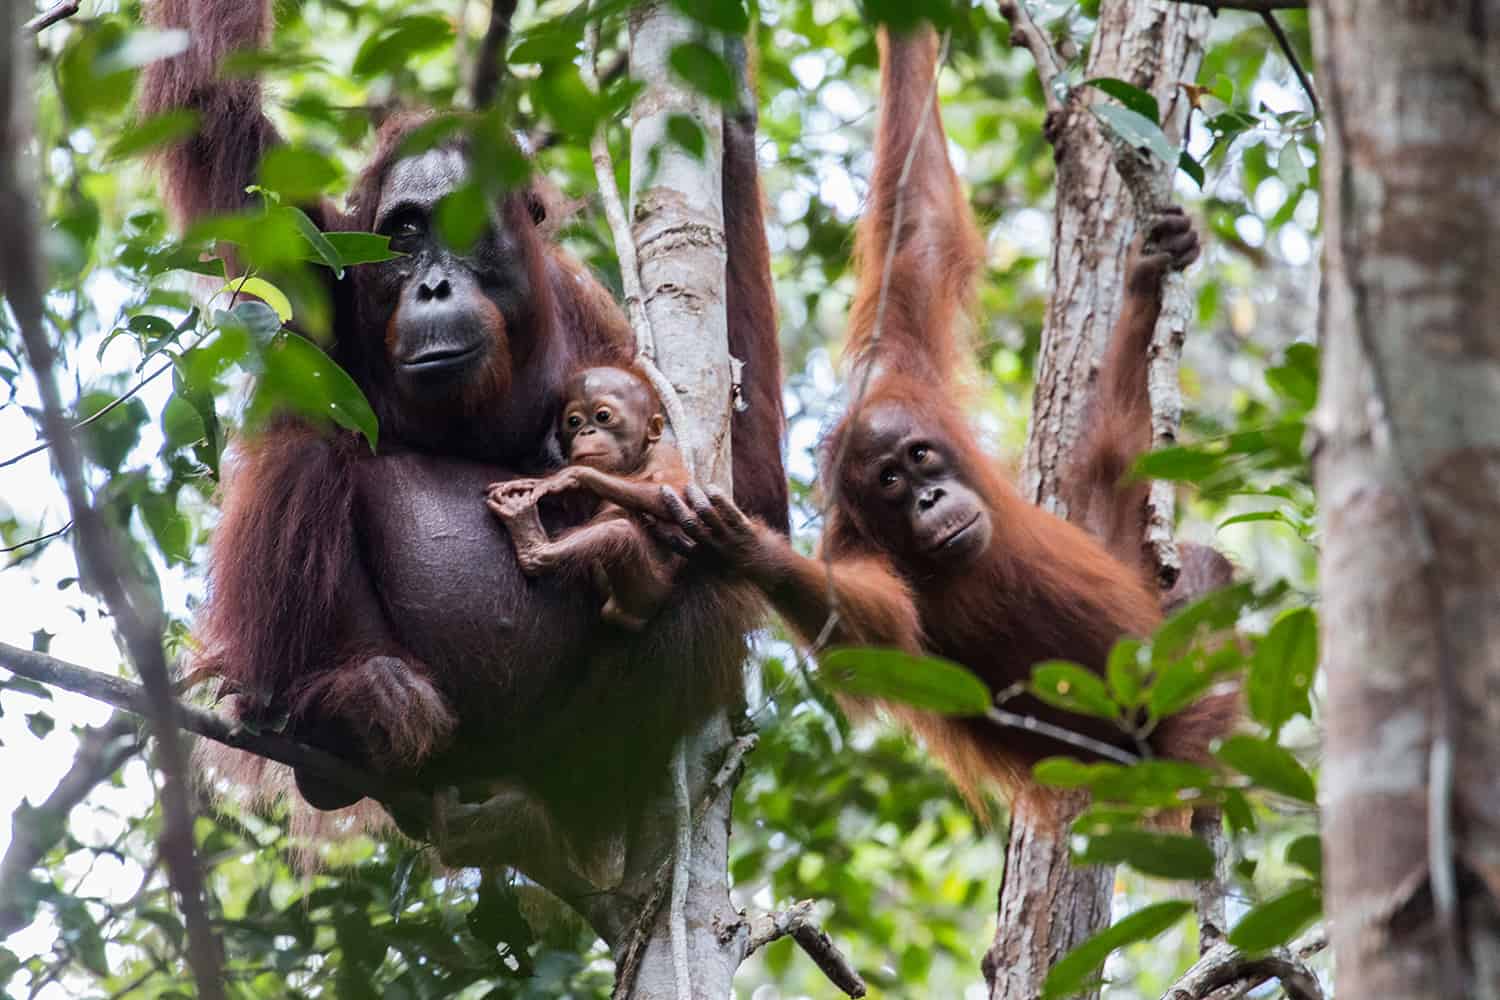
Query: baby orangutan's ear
x=654 y=427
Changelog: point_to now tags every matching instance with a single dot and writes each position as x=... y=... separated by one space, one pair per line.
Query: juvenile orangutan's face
x=610 y=420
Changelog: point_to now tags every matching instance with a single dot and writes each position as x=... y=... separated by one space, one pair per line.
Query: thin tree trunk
x=1048 y=906
x=1408 y=464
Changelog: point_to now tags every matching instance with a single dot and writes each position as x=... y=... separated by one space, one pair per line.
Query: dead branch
x=489 y=60
x=57 y=12
x=1025 y=32
x=1224 y=973
x=797 y=923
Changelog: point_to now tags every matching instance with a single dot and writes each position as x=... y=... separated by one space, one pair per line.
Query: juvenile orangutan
x=611 y=433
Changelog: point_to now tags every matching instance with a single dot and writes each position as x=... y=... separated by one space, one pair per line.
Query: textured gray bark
x=1047 y=906
x=1408 y=463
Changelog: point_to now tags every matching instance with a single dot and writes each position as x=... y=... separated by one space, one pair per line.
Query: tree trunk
x=677 y=222
x=1048 y=906
x=1408 y=462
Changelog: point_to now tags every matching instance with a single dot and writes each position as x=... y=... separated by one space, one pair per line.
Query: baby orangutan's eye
x=574 y=420
x=602 y=416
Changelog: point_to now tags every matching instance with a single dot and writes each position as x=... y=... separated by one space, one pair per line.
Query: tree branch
x=1291 y=57
x=489 y=61
x=136 y=610
x=34 y=829
x=1254 y=6
x=132 y=698
x=1225 y=967
x=57 y=12
x=797 y=922
x=1026 y=33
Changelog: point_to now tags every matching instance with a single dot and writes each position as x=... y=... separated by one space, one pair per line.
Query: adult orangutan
x=372 y=600
x=931 y=549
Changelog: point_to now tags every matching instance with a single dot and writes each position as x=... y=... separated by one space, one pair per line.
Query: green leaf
x=356 y=248
x=920 y=681
x=1073 y=971
x=324 y=249
x=1182 y=463
x=299 y=173
x=389 y=49
x=566 y=100
x=1136 y=130
x=1254 y=516
x=108 y=440
x=1188 y=677
x=1277 y=921
x=40 y=724
x=1073 y=688
x=1306 y=852
x=1269 y=765
x=300 y=376
x=686 y=132
x=704 y=70
x=462 y=217
x=1290 y=168
x=1295 y=379
x=262 y=289
x=1192 y=168
x=170 y=528
x=728 y=16
x=1133 y=97
x=1282 y=670
x=557 y=40
x=153 y=133
x=1165 y=855
x=1237 y=811
x=181 y=424
x=1126 y=672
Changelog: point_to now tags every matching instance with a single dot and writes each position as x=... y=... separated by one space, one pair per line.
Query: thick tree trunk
x=1408 y=463
x=1047 y=906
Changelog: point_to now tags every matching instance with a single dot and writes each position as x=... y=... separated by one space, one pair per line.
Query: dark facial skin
x=610 y=421
x=913 y=495
x=444 y=305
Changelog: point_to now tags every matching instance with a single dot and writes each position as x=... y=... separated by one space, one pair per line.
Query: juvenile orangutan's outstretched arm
x=873 y=604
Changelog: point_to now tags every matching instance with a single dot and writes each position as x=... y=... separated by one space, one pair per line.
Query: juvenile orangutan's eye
x=602 y=415
x=574 y=421
x=889 y=478
x=919 y=453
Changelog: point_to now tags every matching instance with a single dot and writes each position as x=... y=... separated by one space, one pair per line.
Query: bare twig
x=39 y=539
x=101 y=752
x=797 y=922
x=629 y=963
x=129 y=697
x=135 y=608
x=57 y=12
x=489 y=60
x=1025 y=32
x=1291 y=57
x=1254 y=6
x=1224 y=967
x=1014 y=720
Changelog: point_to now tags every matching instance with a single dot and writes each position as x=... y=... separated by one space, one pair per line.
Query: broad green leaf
x=920 y=681
x=687 y=133
x=728 y=16
x=1074 y=970
x=262 y=289
x=299 y=173
x=1152 y=784
x=1133 y=97
x=462 y=217
x=556 y=40
x=1073 y=688
x=1282 y=670
x=1192 y=168
x=1276 y=921
x=324 y=249
x=392 y=47
x=1254 y=516
x=1295 y=379
x=300 y=376
x=108 y=439
x=181 y=425
x=358 y=248
x=704 y=70
x=170 y=528
x=1187 y=678
x=1164 y=855
x=153 y=133
x=1181 y=463
x=1067 y=772
x=1136 y=130
x=1306 y=852
x=561 y=93
x=1126 y=672
x=1290 y=168
x=1269 y=765
x=1237 y=811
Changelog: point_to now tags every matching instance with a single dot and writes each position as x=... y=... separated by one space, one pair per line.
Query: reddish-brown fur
x=1042 y=588
x=372 y=598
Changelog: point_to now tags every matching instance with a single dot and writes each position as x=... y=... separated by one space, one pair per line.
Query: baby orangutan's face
x=610 y=420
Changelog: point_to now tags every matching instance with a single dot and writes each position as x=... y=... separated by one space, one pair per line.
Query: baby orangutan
x=610 y=430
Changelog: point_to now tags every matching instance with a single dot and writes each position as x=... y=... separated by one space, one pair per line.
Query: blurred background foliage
x=855 y=818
